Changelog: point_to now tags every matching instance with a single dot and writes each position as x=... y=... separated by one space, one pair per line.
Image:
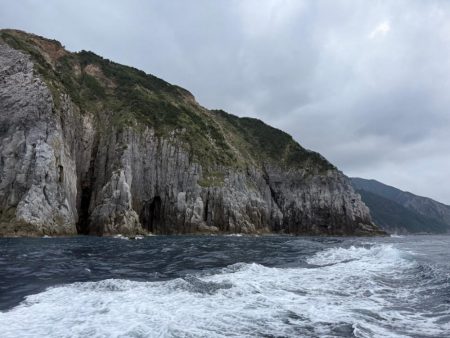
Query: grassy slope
x=213 y=138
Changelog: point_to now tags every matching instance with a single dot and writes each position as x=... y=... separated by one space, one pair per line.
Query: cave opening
x=83 y=211
x=150 y=216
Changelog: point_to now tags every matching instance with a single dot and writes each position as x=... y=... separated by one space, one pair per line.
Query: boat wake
x=342 y=292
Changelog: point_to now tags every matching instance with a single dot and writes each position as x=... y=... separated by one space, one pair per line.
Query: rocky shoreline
x=69 y=168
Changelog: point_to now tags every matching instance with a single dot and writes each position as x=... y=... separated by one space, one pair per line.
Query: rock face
x=91 y=147
x=38 y=181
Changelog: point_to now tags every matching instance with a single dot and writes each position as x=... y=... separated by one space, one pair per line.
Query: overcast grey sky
x=365 y=83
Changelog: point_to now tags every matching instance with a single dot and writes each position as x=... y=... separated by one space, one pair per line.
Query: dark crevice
x=273 y=194
x=86 y=186
x=83 y=212
x=150 y=215
x=61 y=174
x=44 y=190
x=205 y=213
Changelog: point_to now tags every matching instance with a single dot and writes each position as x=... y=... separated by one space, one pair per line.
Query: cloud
x=363 y=82
x=382 y=29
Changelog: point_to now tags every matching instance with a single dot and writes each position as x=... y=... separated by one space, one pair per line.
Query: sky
x=365 y=83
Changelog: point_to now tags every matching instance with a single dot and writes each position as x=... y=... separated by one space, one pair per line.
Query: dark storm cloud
x=363 y=82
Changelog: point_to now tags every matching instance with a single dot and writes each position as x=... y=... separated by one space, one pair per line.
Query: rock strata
x=74 y=161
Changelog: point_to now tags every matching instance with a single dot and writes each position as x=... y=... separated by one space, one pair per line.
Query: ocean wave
x=383 y=254
x=347 y=293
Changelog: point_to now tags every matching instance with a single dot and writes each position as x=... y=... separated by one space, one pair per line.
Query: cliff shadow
x=150 y=215
x=83 y=211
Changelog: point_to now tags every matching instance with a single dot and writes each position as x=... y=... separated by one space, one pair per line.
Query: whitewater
x=218 y=286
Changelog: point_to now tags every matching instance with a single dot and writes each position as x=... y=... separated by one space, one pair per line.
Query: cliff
x=89 y=146
x=398 y=211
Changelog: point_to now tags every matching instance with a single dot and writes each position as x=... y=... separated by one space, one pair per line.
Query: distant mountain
x=399 y=211
x=395 y=218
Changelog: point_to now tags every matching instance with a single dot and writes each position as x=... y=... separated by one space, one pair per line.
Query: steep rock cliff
x=92 y=147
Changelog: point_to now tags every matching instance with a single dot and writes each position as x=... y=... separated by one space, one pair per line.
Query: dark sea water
x=225 y=286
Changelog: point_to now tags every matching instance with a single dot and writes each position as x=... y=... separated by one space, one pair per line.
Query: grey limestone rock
x=37 y=172
x=64 y=171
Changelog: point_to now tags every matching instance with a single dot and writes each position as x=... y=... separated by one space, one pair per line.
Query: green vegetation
x=265 y=143
x=135 y=99
x=212 y=179
x=23 y=42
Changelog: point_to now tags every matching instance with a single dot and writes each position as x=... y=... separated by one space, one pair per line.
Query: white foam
x=241 y=300
x=396 y=236
x=384 y=254
x=119 y=236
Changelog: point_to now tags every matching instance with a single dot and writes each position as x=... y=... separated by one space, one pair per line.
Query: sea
x=225 y=286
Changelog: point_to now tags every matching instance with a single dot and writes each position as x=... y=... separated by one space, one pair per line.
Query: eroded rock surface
x=65 y=169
